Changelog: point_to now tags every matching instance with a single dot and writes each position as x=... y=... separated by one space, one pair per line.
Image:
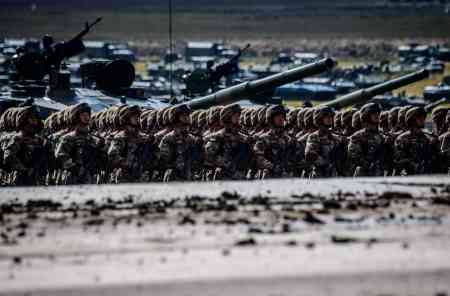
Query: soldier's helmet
x=413 y=114
x=337 y=120
x=261 y=116
x=165 y=117
x=7 y=122
x=308 y=118
x=125 y=112
x=438 y=118
x=347 y=117
x=273 y=111
x=320 y=113
x=291 y=117
x=439 y=113
x=143 y=119
x=367 y=110
x=384 y=122
x=214 y=115
x=194 y=118
x=227 y=113
x=23 y=114
x=151 y=120
x=176 y=111
x=401 y=117
x=74 y=112
x=301 y=117
x=393 y=117
x=356 y=120
x=202 y=118
x=447 y=119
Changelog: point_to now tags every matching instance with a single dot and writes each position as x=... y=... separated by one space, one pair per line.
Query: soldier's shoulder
x=404 y=136
x=120 y=135
x=314 y=135
x=69 y=135
x=168 y=136
x=358 y=135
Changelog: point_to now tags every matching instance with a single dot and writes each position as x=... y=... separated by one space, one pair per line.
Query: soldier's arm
x=212 y=148
x=312 y=149
x=115 y=152
x=10 y=156
x=164 y=150
x=259 y=151
x=355 y=152
x=62 y=153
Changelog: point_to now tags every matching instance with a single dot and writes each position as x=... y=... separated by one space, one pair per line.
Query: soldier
x=346 y=122
x=438 y=117
x=337 y=124
x=227 y=149
x=356 y=122
x=365 y=148
x=323 y=148
x=414 y=148
x=392 y=120
x=445 y=146
x=78 y=151
x=129 y=148
x=213 y=119
x=384 y=122
x=271 y=147
x=401 y=126
x=291 y=122
x=176 y=146
x=23 y=158
x=303 y=168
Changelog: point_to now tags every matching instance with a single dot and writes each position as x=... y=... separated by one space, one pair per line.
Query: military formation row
x=127 y=144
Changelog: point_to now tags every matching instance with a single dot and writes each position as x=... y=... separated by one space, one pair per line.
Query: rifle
x=87 y=28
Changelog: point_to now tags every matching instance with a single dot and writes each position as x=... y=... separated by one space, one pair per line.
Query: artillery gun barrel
x=248 y=89
x=431 y=106
x=363 y=95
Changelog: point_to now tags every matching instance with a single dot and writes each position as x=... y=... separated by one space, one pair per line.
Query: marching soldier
x=227 y=149
x=129 y=148
x=78 y=151
x=365 y=148
x=176 y=147
x=24 y=159
x=414 y=148
x=323 y=147
x=271 y=147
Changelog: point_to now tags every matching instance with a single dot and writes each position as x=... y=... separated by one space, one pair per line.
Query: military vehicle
x=362 y=96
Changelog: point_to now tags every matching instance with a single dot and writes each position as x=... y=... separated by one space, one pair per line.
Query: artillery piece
x=362 y=96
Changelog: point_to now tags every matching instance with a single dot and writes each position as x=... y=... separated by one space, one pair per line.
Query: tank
x=363 y=95
x=249 y=89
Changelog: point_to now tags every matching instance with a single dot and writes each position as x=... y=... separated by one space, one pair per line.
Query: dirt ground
x=280 y=237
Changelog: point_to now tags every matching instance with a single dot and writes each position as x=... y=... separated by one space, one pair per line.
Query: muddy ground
x=281 y=237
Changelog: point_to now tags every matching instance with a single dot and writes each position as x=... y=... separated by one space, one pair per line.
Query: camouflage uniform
x=366 y=146
x=323 y=148
x=444 y=141
x=414 y=148
x=78 y=151
x=24 y=160
x=271 y=147
x=176 y=147
x=129 y=148
x=227 y=149
x=303 y=167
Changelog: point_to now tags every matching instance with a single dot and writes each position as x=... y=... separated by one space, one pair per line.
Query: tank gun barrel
x=363 y=95
x=248 y=89
x=431 y=106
